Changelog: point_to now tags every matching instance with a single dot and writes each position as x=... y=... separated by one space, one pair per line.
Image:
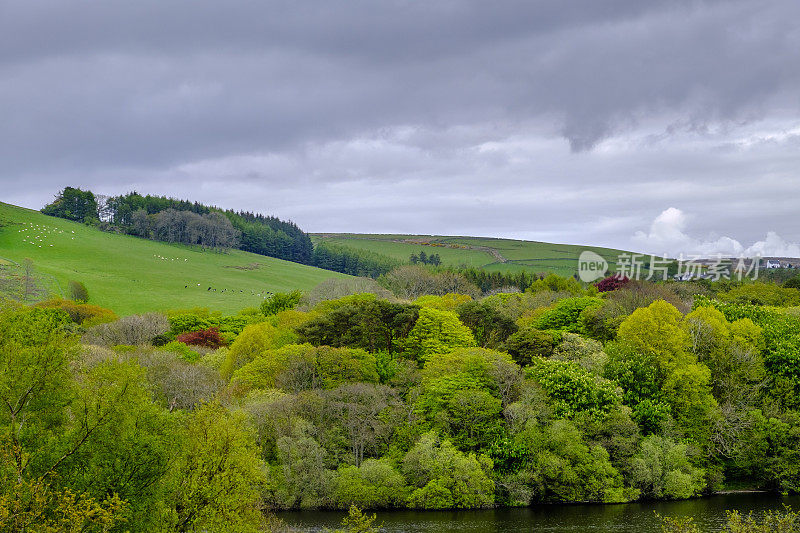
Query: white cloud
x=668 y=236
x=774 y=245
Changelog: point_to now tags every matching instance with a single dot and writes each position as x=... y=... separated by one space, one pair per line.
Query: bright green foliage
x=687 y=390
x=572 y=389
x=182 y=350
x=29 y=327
x=732 y=351
x=444 y=478
x=280 y=301
x=216 y=478
x=326 y=306
x=437 y=332
x=376 y=484
x=640 y=380
x=555 y=464
x=659 y=339
x=662 y=469
x=770 y=452
x=229 y=326
x=33 y=505
x=253 y=341
x=35 y=384
x=288 y=319
x=759 y=293
x=781 y=343
x=657 y=331
x=297 y=367
x=129 y=444
x=80 y=439
x=566 y=313
x=463 y=393
x=555 y=283
x=467 y=369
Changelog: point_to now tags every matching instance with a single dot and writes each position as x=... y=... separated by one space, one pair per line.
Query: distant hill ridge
x=131 y=275
x=174 y=220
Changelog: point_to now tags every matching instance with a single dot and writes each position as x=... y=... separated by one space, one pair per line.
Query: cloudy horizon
x=661 y=127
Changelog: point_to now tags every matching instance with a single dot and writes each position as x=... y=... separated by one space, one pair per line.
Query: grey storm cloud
x=577 y=121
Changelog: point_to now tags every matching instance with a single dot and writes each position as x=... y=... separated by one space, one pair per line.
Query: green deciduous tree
x=555 y=464
x=444 y=478
x=573 y=390
x=299 y=367
x=659 y=338
x=376 y=484
x=216 y=479
x=280 y=301
x=530 y=343
x=368 y=323
x=437 y=332
x=662 y=469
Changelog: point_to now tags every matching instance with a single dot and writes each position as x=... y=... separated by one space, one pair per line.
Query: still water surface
x=709 y=514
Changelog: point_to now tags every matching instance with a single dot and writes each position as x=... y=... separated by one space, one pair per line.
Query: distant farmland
x=504 y=255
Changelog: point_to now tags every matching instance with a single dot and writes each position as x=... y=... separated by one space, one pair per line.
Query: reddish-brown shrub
x=210 y=338
x=611 y=283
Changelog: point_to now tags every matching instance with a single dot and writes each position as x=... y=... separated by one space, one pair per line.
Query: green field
x=502 y=255
x=132 y=275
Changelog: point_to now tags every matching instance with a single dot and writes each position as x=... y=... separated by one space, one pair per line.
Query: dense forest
x=180 y=221
x=418 y=392
x=351 y=261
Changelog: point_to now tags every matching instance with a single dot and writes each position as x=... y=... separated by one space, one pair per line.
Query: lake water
x=709 y=514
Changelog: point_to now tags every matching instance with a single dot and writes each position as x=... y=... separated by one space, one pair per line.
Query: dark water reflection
x=709 y=514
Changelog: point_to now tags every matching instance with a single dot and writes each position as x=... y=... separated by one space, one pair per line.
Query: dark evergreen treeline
x=490 y=281
x=351 y=261
x=119 y=210
x=173 y=220
x=267 y=235
x=425 y=259
x=73 y=204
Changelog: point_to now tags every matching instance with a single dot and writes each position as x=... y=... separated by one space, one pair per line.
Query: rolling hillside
x=131 y=275
x=491 y=254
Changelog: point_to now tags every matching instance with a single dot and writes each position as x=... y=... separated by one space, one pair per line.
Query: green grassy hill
x=131 y=275
x=491 y=254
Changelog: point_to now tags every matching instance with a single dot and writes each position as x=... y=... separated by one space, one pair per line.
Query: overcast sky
x=660 y=126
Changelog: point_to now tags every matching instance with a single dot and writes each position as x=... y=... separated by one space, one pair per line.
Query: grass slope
x=502 y=255
x=132 y=275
